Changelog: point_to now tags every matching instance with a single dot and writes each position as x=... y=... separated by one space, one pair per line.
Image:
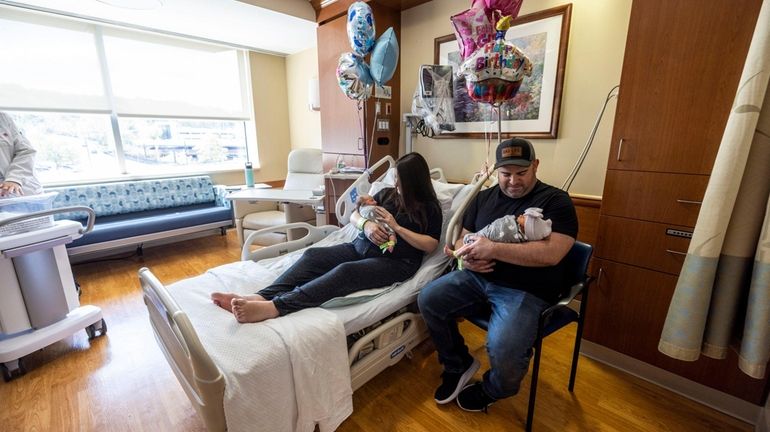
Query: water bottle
x=249 y=175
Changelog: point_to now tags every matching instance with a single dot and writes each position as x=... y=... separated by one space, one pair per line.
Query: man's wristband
x=361 y=222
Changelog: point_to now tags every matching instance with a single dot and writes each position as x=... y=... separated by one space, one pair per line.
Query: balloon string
x=361 y=126
x=371 y=137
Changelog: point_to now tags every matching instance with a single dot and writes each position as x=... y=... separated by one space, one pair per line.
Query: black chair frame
x=558 y=316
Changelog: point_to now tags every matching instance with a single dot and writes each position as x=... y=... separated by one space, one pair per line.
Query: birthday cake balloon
x=495 y=71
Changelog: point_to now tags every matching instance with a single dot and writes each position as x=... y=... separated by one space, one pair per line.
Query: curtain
x=723 y=291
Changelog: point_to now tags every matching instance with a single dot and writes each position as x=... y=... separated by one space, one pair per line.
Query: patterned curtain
x=723 y=291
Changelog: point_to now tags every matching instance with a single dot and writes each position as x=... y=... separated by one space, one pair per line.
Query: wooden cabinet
x=348 y=132
x=680 y=71
x=659 y=197
x=680 y=74
x=655 y=246
x=632 y=303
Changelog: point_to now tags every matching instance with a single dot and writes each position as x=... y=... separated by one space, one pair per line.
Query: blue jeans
x=512 y=326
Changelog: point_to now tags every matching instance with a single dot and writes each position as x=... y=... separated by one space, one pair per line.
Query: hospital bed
x=223 y=366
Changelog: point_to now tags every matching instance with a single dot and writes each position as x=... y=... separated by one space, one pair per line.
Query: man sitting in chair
x=517 y=280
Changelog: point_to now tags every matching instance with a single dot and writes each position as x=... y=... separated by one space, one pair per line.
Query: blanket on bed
x=282 y=374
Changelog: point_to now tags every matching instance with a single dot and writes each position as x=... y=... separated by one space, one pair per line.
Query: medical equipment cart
x=39 y=303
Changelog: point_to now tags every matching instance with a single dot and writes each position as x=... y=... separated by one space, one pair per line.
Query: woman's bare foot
x=225 y=300
x=246 y=311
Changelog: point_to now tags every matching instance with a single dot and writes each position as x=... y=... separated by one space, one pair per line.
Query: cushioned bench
x=131 y=213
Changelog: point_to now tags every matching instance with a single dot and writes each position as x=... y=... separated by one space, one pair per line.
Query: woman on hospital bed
x=410 y=209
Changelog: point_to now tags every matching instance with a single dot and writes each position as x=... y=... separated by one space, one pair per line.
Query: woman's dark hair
x=417 y=192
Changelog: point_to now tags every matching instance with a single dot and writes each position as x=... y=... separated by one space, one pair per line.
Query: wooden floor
x=121 y=382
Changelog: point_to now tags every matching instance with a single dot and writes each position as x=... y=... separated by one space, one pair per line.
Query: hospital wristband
x=361 y=222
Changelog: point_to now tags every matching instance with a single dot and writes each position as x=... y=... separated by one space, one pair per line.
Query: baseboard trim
x=708 y=396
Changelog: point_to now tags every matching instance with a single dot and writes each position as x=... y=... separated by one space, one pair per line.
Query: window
x=105 y=103
x=70 y=147
x=161 y=146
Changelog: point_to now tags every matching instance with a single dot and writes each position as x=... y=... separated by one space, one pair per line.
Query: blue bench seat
x=132 y=213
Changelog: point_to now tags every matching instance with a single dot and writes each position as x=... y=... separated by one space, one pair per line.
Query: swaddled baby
x=528 y=226
x=366 y=206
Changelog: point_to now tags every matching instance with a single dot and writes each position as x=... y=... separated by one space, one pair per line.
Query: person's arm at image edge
x=23 y=160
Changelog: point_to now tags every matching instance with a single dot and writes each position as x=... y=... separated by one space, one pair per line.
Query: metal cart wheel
x=12 y=369
x=100 y=327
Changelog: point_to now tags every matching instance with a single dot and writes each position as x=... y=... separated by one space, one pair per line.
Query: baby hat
x=535 y=227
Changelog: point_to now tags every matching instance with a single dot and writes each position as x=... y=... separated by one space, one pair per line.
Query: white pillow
x=378 y=186
x=445 y=192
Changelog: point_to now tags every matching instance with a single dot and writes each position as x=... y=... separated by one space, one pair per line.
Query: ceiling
x=277 y=26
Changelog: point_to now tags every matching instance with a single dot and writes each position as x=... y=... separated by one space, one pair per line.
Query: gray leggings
x=336 y=271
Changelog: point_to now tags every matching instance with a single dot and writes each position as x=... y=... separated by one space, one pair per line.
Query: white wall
x=304 y=124
x=594 y=61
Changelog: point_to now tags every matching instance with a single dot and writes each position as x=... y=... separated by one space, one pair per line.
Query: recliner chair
x=305 y=171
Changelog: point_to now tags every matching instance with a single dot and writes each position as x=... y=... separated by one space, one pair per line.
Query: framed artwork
x=534 y=111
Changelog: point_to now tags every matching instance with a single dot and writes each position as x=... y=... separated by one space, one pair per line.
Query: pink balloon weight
x=495 y=71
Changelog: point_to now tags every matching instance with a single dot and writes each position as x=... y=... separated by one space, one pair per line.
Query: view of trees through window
x=73 y=147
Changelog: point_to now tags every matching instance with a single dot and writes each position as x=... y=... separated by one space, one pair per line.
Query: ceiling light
x=325 y=3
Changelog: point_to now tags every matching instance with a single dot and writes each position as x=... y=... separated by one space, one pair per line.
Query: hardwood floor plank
x=121 y=382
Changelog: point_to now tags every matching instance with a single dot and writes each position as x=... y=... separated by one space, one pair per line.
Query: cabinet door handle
x=599 y=276
x=683 y=201
x=676 y=252
x=620 y=147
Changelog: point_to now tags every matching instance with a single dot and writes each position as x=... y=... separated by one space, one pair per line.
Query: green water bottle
x=249 y=175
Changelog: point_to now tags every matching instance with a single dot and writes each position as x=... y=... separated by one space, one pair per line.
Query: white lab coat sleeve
x=21 y=168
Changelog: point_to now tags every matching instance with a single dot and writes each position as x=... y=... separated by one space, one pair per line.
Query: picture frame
x=534 y=112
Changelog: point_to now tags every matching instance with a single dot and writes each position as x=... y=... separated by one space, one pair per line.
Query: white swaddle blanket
x=284 y=374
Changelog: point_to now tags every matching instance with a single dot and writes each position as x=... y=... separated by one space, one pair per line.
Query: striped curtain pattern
x=723 y=291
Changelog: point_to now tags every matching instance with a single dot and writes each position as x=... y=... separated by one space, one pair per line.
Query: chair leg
x=575 y=355
x=533 y=385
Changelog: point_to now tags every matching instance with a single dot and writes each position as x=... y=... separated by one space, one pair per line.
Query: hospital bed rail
x=313 y=235
x=454 y=228
x=199 y=376
x=194 y=368
x=346 y=203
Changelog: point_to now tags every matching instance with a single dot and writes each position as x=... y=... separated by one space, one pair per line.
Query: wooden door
x=681 y=68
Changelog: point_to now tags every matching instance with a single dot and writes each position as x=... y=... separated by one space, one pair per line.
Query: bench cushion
x=121 y=226
x=135 y=196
